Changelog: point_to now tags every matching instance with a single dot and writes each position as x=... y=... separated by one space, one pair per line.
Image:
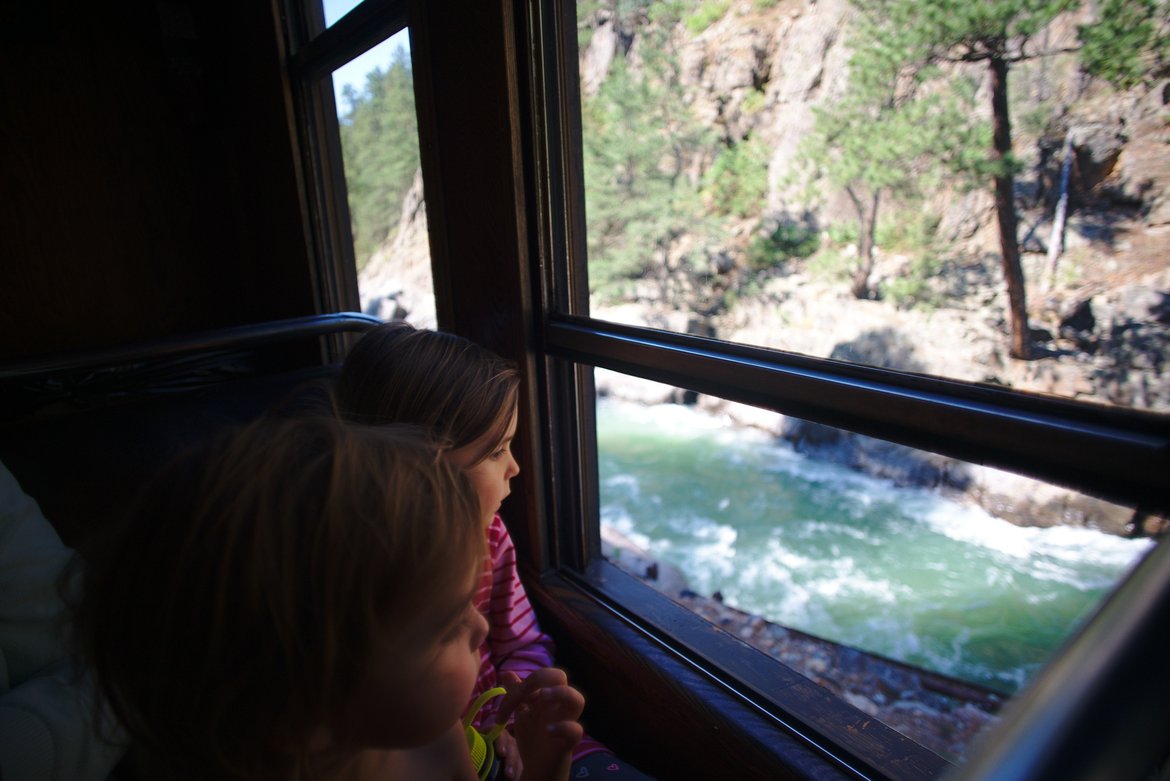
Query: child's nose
x=513 y=467
x=479 y=630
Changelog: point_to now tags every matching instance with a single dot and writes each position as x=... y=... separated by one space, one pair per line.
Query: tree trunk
x=1056 y=241
x=1005 y=209
x=866 y=230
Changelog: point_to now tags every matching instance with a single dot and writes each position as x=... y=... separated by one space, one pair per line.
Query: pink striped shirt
x=514 y=641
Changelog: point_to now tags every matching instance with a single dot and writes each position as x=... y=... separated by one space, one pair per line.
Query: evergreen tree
x=379 y=141
x=884 y=135
x=639 y=138
x=996 y=33
x=1128 y=43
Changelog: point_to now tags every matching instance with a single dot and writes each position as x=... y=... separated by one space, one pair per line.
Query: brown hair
x=237 y=614
x=397 y=373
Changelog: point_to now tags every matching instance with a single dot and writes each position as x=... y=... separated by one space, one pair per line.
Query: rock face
x=396 y=283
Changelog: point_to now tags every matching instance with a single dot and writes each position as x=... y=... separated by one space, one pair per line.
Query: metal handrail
x=235 y=337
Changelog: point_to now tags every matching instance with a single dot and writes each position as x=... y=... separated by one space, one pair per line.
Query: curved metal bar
x=236 y=337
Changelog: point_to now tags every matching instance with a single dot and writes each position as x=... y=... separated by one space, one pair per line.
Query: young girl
x=295 y=603
x=467 y=395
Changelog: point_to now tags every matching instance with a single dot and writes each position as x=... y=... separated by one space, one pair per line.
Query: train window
x=922 y=590
x=625 y=186
x=697 y=258
x=354 y=92
x=335 y=9
x=383 y=182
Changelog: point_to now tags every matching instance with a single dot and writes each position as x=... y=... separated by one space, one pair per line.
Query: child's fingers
x=552 y=712
x=560 y=703
x=544 y=677
x=519 y=691
x=570 y=732
x=568 y=697
x=509 y=752
x=552 y=703
x=562 y=735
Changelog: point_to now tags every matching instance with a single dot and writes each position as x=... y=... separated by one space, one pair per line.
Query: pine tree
x=1128 y=43
x=880 y=138
x=996 y=33
x=639 y=138
x=379 y=141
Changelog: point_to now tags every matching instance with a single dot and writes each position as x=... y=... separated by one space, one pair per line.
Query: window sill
x=682 y=698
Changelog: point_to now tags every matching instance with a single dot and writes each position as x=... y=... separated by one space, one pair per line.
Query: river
x=815 y=546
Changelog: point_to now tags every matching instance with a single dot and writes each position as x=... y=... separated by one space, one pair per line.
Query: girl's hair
x=237 y=613
x=457 y=389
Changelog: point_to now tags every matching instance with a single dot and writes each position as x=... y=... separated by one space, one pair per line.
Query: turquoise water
x=821 y=548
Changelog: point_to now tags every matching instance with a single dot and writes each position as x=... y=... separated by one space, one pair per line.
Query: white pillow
x=32 y=614
x=47 y=718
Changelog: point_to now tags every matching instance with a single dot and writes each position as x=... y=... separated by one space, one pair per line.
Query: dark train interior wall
x=150 y=174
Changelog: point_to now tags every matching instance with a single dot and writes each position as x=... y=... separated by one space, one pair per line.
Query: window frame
x=1116 y=454
x=503 y=74
x=803 y=730
x=312 y=52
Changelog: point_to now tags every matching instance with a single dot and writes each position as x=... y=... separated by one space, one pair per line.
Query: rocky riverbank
x=807 y=317
x=941 y=713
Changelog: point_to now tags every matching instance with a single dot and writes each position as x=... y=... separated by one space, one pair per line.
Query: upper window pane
x=379 y=141
x=783 y=174
x=335 y=9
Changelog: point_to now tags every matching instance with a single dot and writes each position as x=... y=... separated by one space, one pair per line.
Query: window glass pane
x=754 y=174
x=922 y=590
x=379 y=141
x=335 y=9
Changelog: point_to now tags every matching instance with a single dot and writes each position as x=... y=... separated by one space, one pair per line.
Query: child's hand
x=509 y=754
x=545 y=710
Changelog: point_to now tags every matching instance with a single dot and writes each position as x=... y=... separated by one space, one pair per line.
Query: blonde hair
x=237 y=614
x=397 y=373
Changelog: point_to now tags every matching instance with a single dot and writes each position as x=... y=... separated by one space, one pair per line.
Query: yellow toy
x=482 y=747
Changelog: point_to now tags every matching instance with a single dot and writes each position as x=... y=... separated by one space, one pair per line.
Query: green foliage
x=885 y=134
x=872 y=137
x=1037 y=120
x=753 y=102
x=841 y=234
x=832 y=264
x=763 y=5
x=709 y=12
x=790 y=239
x=899 y=43
x=1128 y=43
x=663 y=14
x=637 y=135
x=910 y=231
x=379 y=143
x=974 y=30
x=914 y=289
x=738 y=181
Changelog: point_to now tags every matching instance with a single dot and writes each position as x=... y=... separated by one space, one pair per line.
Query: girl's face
x=421 y=676
x=492 y=475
